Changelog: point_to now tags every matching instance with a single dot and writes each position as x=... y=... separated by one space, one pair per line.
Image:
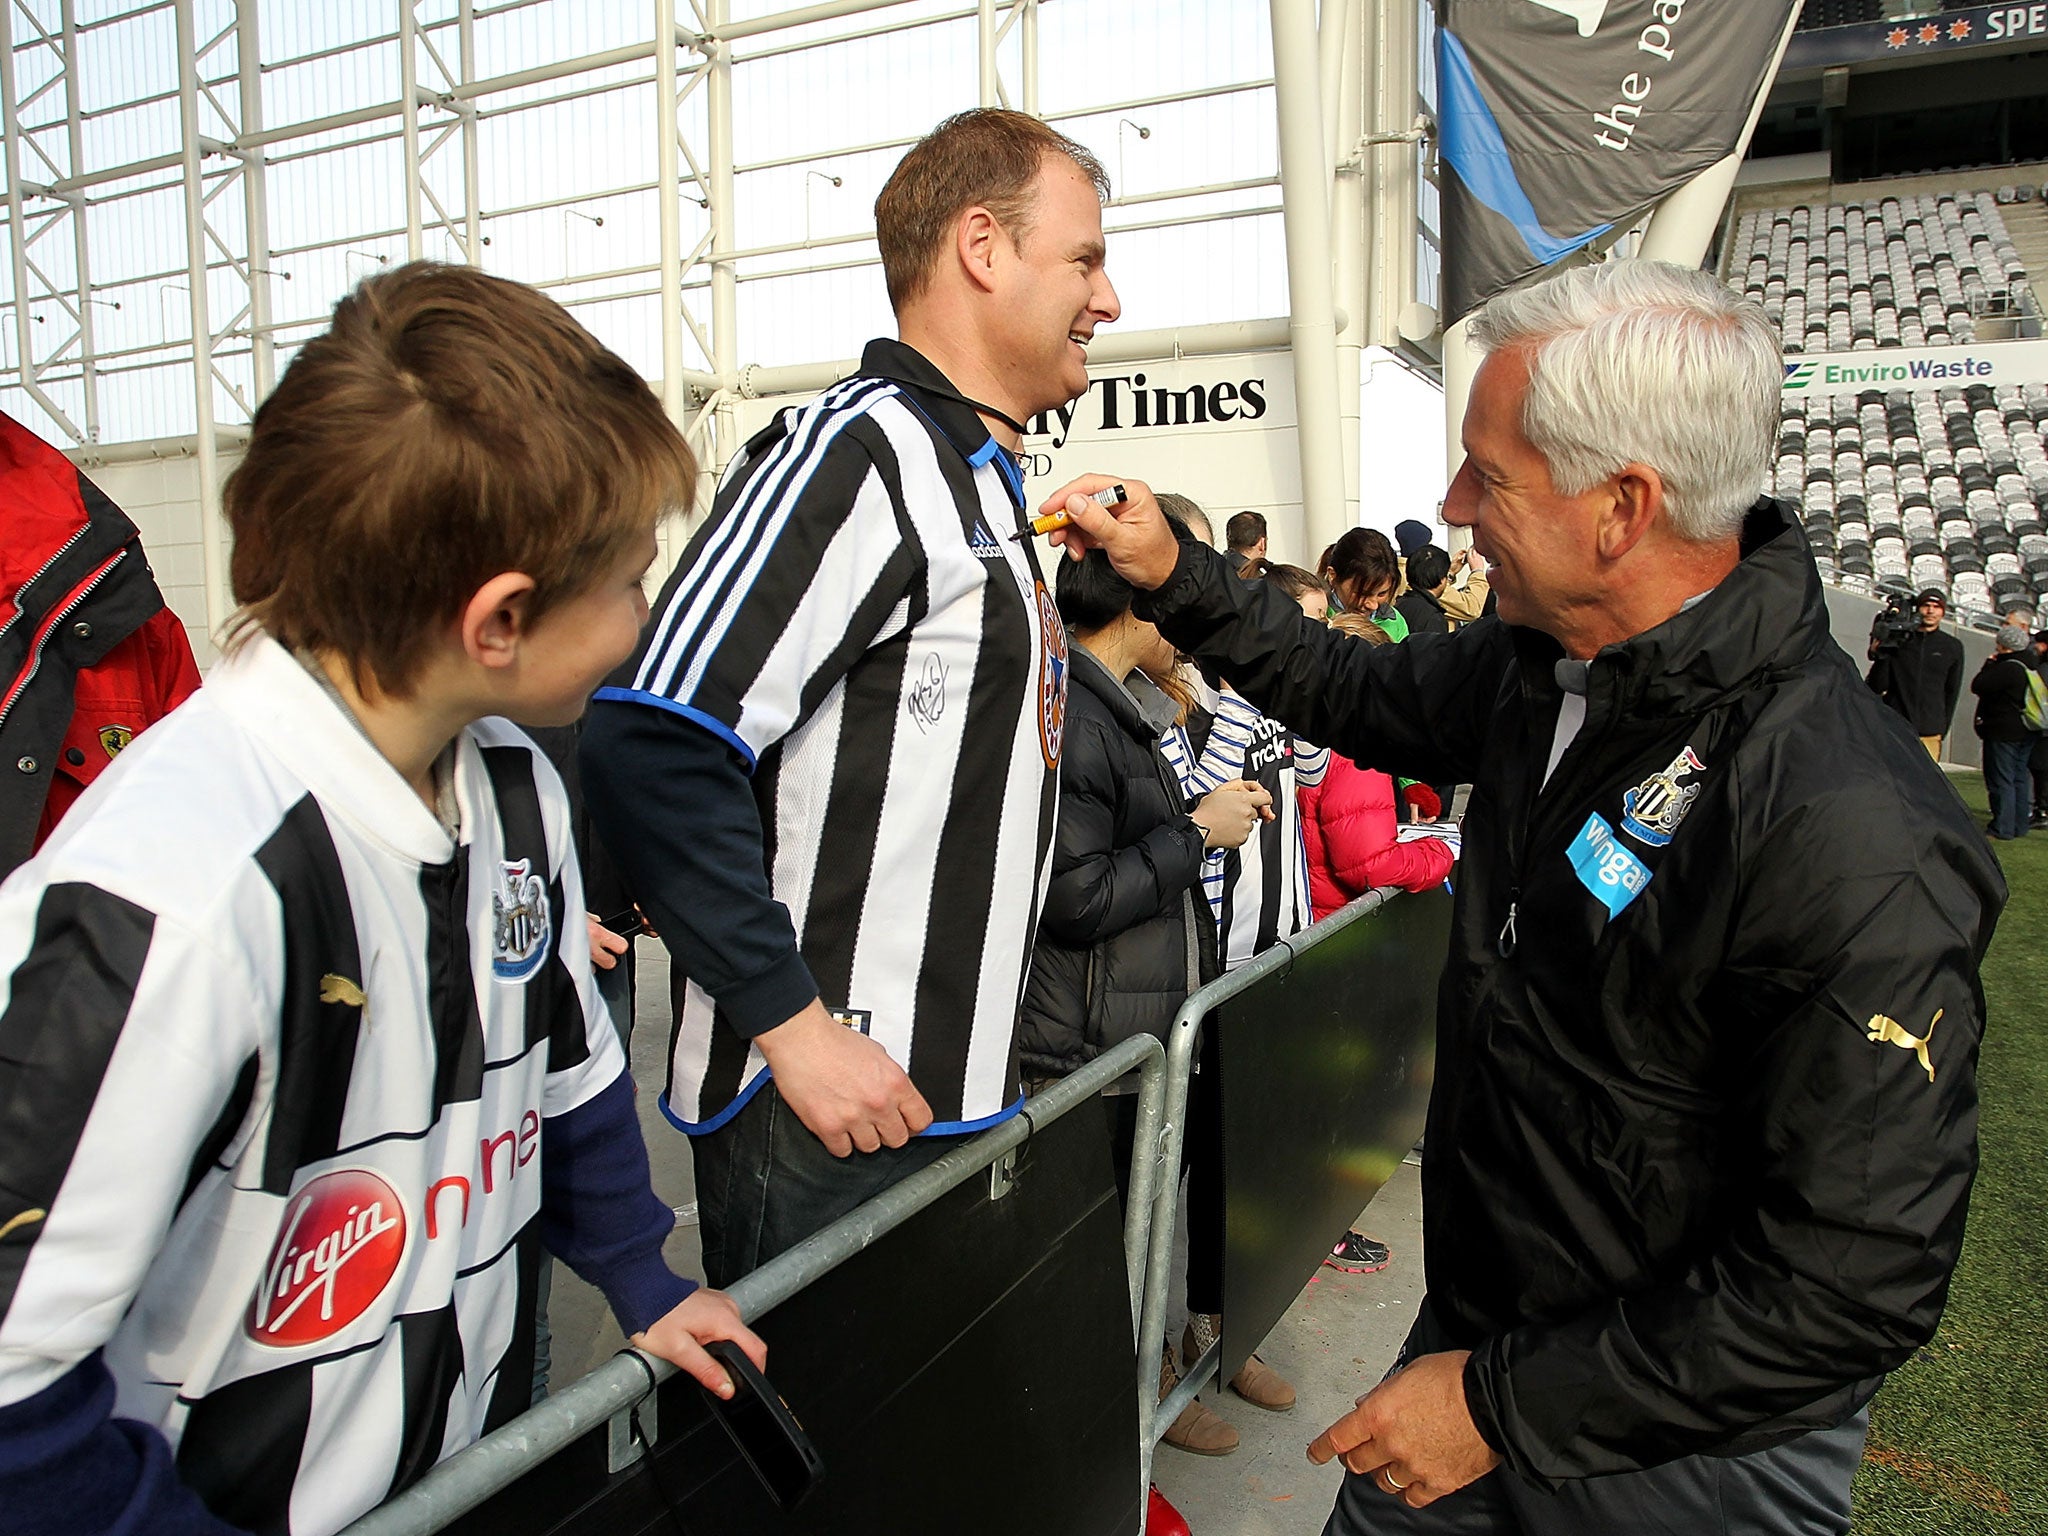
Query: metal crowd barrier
x=609 y=1395
x=1180 y=1058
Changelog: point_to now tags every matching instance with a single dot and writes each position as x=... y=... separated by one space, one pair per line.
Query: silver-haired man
x=1703 y=1134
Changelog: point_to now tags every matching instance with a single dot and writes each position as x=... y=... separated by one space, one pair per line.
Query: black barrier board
x=971 y=1371
x=1326 y=1071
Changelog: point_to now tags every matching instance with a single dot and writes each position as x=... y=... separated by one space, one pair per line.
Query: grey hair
x=2012 y=638
x=1650 y=363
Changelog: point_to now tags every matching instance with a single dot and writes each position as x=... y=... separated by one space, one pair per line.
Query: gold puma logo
x=1882 y=1028
x=339 y=989
x=25 y=1219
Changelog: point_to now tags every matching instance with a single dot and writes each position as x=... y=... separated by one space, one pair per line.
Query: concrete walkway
x=1337 y=1341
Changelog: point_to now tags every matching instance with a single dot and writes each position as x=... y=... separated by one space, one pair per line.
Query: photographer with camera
x=1918 y=672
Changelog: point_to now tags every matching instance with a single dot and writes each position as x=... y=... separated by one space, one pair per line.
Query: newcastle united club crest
x=520 y=927
x=1651 y=811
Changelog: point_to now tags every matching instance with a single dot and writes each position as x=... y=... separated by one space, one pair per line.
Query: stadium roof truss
x=190 y=184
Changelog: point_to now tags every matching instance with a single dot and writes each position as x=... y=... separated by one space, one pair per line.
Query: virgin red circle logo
x=337 y=1249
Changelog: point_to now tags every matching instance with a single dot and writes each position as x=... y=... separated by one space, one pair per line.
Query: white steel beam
x=1030 y=60
x=80 y=246
x=724 y=270
x=985 y=53
x=20 y=237
x=212 y=545
x=472 y=169
x=723 y=29
x=667 y=175
x=1305 y=201
x=409 y=119
x=255 y=203
x=1343 y=58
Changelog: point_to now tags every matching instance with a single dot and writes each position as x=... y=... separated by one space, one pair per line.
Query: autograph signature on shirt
x=928 y=693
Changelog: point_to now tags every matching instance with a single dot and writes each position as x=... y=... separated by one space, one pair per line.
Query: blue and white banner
x=1561 y=118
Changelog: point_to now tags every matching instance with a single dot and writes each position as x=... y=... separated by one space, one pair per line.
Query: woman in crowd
x=1363 y=571
x=1125 y=934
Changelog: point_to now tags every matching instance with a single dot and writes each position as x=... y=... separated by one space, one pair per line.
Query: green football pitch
x=1959 y=1435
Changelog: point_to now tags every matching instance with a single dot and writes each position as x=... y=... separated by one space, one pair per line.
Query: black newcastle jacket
x=1126 y=933
x=1704 y=1125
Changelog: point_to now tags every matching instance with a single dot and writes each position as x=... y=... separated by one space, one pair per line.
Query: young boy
x=301 y=1062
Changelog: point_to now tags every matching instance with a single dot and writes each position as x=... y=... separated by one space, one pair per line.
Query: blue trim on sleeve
x=962 y=1127
x=711 y=723
x=717 y=1121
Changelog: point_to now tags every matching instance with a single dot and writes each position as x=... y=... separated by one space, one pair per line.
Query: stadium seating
x=1937 y=488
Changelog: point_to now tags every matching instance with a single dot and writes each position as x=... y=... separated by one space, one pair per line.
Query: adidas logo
x=983 y=543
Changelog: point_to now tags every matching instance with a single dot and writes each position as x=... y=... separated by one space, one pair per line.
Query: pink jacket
x=1348 y=824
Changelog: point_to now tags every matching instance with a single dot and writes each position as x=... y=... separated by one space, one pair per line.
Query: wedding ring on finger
x=1392 y=1486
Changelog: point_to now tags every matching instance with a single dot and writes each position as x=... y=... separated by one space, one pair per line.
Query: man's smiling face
x=1056 y=291
x=1540 y=542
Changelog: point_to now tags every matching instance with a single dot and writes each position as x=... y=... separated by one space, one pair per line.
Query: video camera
x=1896 y=620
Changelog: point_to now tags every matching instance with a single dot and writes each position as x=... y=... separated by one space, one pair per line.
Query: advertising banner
x=1916 y=368
x=1562 y=118
x=2002 y=28
x=1220 y=430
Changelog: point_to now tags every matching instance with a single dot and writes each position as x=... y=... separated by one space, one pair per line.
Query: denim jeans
x=765 y=1183
x=2009 y=782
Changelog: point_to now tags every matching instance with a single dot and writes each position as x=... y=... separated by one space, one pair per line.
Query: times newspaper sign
x=1218 y=430
x=1916 y=368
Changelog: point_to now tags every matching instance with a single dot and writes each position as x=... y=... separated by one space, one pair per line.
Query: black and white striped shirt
x=1259 y=891
x=290 y=1045
x=855 y=622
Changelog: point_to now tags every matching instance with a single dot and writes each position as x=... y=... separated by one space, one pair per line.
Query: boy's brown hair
x=449 y=427
x=984 y=158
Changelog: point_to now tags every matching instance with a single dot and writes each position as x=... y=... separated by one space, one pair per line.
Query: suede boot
x=1257 y=1382
x=1197 y=1429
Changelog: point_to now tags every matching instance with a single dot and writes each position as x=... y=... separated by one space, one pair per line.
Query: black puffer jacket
x=1126 y=933
x=1704 y=1125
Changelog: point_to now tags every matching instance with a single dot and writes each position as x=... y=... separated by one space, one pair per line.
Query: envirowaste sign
x=1916 y=368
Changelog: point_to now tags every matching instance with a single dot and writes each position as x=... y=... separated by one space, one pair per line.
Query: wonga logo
x=1586 y=13
x=337 y=1250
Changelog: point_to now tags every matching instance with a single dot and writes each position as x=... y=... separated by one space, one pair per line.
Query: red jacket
x=89 y=655
x=1349 y=825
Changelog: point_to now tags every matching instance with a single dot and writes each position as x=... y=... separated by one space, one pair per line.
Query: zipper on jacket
x=50 y=624
x=1505 y=942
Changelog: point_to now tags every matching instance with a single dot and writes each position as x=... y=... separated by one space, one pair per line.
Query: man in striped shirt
x=831 y=772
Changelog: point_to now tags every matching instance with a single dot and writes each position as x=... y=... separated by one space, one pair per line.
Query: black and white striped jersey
x=856 y=622
x=275 y=1053
x=1259 y=891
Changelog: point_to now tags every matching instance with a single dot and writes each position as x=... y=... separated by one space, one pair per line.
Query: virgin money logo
x=339 y=1246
